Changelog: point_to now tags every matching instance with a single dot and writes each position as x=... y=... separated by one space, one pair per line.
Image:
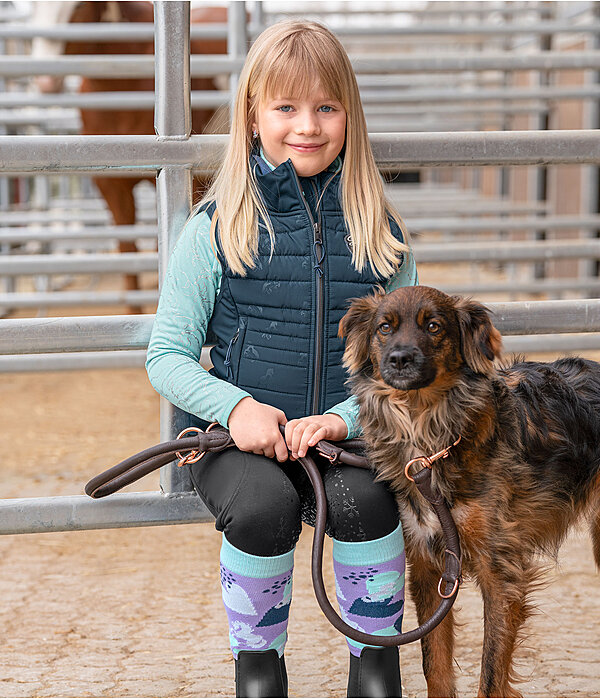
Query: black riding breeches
x=260 y=503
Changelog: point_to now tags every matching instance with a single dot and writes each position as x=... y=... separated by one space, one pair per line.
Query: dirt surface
x=137 y=612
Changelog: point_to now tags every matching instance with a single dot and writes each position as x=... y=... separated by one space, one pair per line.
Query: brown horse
x=118 y=191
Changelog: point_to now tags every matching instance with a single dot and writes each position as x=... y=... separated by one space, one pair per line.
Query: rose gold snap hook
x=193 y=456
x=452 y=592
x=424 y=460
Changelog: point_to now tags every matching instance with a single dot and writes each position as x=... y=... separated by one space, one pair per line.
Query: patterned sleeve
x=184 y=310
x=405 y=276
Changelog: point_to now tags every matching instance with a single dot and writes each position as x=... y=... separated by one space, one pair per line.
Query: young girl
x=294 y=225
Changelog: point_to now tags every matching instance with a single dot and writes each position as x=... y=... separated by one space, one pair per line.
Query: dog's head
x=417 y=336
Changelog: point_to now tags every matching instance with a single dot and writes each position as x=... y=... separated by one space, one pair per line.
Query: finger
x=281 y=451
x=297 y=434
x=310 y=430
x=321 y=434
x=289 y=430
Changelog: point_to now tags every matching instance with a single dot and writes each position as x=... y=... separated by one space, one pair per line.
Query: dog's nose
x=401 y=358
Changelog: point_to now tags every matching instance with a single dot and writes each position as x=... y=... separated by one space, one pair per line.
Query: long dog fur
x=422 y=368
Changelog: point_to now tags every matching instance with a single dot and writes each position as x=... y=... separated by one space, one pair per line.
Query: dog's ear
x=481 y=343
x=356 y=327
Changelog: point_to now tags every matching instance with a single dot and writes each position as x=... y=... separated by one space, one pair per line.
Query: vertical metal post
x=172 y=121
x=237 y=40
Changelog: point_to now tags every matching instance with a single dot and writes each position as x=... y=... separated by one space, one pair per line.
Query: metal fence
x=173 y=155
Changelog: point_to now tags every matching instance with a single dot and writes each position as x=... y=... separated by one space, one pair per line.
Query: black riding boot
x=260 y=674
x=375 y=674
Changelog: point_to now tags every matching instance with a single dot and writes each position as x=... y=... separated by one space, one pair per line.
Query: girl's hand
x=254 y=426
x=302 y=433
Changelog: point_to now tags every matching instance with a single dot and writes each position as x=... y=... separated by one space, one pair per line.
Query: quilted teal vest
x=276 y=327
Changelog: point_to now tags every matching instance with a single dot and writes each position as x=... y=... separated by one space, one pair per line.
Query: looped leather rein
x=142 y=463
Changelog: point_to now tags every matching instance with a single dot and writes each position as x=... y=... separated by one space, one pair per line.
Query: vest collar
x=279 y=184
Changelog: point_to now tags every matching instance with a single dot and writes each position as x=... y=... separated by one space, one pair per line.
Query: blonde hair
x=300 y=53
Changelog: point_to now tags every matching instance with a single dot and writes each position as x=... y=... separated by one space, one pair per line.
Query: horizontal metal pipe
x=122 y=66
x=415 y=224
x=379 y=96
x=54 y=362
x=104 y=31
x=144 y=31
x=463 y=251
x=546 y=223
x=589 y=285
x=382 y=95
x=77 y=361
x=142 y=66
x=513 y=251
x=108 y=100
x=48 y=235
x=144 y=155
x=567 y=342
x=35 y=300
x=73 y=334
x=59 y=263
x=63 y=513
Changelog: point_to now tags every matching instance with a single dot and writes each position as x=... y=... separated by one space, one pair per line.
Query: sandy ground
x=113 y=613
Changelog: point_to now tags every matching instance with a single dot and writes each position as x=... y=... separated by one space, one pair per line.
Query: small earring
x=254 y=134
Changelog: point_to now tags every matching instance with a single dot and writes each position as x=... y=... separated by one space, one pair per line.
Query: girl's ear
x=356 y=326
x=481 y=343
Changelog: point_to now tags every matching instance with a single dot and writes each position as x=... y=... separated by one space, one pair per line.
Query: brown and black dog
x=421 y=366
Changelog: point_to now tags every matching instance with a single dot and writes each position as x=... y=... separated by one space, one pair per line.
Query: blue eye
x=326 y=108
x=285 y=108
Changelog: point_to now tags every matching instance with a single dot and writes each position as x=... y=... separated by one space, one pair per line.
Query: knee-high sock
x=257 y=592
x=369 y=578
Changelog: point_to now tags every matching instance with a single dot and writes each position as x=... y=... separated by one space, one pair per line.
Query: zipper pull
x=227 y=361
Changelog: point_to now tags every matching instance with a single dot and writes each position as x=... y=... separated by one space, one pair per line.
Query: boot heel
x=375 y=673
x=260 y=674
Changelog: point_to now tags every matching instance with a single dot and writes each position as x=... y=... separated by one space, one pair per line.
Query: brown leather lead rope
x=142 y=463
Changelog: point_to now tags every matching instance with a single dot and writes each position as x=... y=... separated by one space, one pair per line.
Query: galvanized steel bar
x=73 y=334
x=515 y=251
x=142 y=66
x=237 y=40
x=174 y=183
x=107 y=100
x=475 y=224
x=172 y=118
x=76 y=233
x=116 y=32
x=34 y=300
x=59 y=263
x=147 y=154
x=104 y=31
x=68 y=361
x=567 y=342
x=62 y=513
x=128 y=66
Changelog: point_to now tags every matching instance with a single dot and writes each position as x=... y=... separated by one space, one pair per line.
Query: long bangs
x=299 y=63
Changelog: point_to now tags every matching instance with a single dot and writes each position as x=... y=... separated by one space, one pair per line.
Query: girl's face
x=309 y=131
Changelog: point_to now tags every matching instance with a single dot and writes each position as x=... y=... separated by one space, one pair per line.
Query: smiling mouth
x=306 y=147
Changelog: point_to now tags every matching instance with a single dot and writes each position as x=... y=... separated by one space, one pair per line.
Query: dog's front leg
x=437 y=647
x=505 y=609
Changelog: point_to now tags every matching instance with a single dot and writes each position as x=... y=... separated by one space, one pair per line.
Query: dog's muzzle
x=406 y=368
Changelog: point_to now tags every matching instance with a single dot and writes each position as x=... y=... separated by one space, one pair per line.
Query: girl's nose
x=307 y=123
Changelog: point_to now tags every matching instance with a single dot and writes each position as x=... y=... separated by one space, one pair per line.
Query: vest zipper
x=319 y=253
x=227 y=361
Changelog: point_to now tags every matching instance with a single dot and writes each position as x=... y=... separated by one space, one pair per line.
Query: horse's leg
x=118 y=194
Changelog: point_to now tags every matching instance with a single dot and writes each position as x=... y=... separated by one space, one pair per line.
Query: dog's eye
x=385 y=328
x=433 y=327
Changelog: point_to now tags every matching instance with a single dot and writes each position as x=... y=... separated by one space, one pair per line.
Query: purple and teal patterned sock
x=369 y=582
x=257 y=592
